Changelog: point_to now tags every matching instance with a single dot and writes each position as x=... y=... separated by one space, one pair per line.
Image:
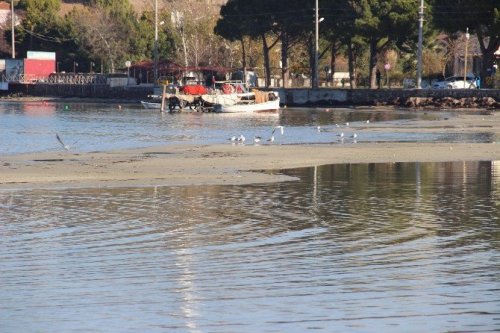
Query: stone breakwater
x=442 y=98
x=449 y=102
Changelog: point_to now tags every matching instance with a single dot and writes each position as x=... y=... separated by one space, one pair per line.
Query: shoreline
x=215 y=164
x=233 y=164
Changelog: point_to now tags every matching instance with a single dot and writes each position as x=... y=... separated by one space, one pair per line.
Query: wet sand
x=241 y=164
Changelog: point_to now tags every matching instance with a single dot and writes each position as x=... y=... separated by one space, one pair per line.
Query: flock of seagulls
x=257 y=139
x=339 y=129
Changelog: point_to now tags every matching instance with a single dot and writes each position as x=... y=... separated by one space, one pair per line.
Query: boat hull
x=151 y=105
x=273 y=105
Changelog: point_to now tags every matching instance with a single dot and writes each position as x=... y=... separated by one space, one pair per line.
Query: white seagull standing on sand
x=241 y=138
x=256 y=139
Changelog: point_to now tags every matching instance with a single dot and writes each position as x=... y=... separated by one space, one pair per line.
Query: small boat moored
x=261 y=101
x=151 y=105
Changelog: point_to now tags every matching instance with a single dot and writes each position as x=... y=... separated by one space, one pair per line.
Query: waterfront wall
x=326 y=97
x=288 y=96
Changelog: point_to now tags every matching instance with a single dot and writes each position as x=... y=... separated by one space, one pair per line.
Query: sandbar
x=238 y=164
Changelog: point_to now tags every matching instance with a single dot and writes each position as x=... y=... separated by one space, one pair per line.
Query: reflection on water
x=31 y=127
x=406 y=247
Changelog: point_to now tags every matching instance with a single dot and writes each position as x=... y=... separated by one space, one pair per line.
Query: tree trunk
x=284 y=60
x=267 y=67
x=488 y=58
x=373 y=63
x=333 y=60
x=312 y=58
x=351 y=60
x=244 y=60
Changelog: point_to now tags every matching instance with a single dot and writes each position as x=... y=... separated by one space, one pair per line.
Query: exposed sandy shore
x=240 y=164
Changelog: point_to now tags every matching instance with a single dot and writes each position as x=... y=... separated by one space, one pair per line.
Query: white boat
x=234 y=97
x=261 y=101
x=225 y=99
x=151 y=105
x=226 y=93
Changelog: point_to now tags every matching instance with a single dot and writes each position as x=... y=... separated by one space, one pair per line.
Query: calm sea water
x=400 y=247
x=31 y=127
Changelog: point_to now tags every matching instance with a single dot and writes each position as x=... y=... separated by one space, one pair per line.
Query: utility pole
x=155 y=63
x=316 y=48
x=12 y=23
x=420 y=42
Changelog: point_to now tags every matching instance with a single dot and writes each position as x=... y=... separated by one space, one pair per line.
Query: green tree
x=383 y=24
x=142 y=46
x=233 y=26
x=292 y=22
x=42 y=29
x=240 y=18
x=339 y=27
x=482 y=17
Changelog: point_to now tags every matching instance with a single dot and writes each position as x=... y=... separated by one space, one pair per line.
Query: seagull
x=341 y=135
x=256 y=139
x=346 y=124
x=368 y=121
x=66 y=147
x=318 y=128
x=241 y=138
x=271 y=139
x=281 y=128
x=232 y=139
x=354 y=136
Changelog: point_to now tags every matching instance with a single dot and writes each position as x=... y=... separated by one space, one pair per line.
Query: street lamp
x=467 y=36
x=420 y=42
x=12 y=23
x=155 y=64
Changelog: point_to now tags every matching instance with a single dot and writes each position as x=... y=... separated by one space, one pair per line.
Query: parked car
x=456 y=82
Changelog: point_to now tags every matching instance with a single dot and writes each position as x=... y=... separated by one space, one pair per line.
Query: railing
x=57 y=78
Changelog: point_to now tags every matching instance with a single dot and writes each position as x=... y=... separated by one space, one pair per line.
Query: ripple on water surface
x=378 y=247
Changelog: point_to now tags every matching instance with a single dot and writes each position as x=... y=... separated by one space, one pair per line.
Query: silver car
x=456 y=82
